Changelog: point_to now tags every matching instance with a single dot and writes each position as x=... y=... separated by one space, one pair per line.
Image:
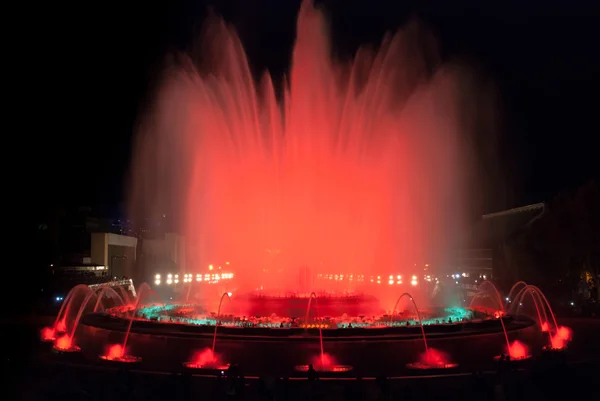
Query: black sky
x=93 y=64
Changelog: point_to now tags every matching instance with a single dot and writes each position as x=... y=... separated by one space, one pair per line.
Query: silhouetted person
x=311 y=373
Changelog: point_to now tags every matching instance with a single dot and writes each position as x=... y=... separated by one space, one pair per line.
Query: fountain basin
x=72 y=349
x=512 y=359
x=165 y=346
x=428 y=367
x=208 y=368
x=120 y=360
x=325 y=369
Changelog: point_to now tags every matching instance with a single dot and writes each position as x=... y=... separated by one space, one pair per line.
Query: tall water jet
x=324 y=175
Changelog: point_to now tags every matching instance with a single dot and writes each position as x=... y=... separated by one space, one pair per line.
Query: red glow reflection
x=64 y=342
x=434 y=357
x=561 y=338
x=518 y=350
x=48 y=334
x=61 y=326
x=545 y=327
x=115 y=351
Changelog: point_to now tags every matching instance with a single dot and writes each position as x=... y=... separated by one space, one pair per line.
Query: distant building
x=484 y=245
x=117 y=252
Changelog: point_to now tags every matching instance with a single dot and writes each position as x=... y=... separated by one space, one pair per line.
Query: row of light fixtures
x=189 y=277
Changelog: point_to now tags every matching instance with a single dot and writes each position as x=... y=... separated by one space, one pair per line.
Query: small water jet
x=559 y=336
x=50 y=334
x=118 y=354
x=484 y=288
x=217 y=322
x=431 y=358
x=512 y=290
x=105 y=290
x=66 y=345
x=325 y=362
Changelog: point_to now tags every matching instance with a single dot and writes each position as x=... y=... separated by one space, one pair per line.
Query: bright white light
x=157 y=277
x=414 y=277
x=169 y=276
x=399 y=277
x=169 y=281
x=413 y=282
x=391 y=282
x=229 y=293
x=157 y=282
x=177 y=276
x=507 y=299
x=176 y=281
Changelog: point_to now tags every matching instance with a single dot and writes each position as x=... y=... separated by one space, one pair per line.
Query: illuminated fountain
x=118 y=353
x=517 y=351
x=59 y=328
x=64 y=344
x=431 y=358
x=208 y=359
x=558 y=336
x=325 y=362
x=322 y=176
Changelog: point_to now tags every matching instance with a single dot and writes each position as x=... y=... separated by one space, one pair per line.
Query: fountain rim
x=102 y=320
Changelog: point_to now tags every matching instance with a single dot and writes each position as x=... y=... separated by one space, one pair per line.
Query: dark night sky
x=96 y=63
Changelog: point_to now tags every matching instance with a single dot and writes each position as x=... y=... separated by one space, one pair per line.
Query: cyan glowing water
x=168 y=315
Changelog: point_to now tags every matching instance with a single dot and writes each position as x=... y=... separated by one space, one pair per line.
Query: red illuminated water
x=115 y=351
x=517 y=350
x=561 y=338
x=206 y=359
x=357 y=166
x=432 y=359
x=116 y=354
x=64 y=342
